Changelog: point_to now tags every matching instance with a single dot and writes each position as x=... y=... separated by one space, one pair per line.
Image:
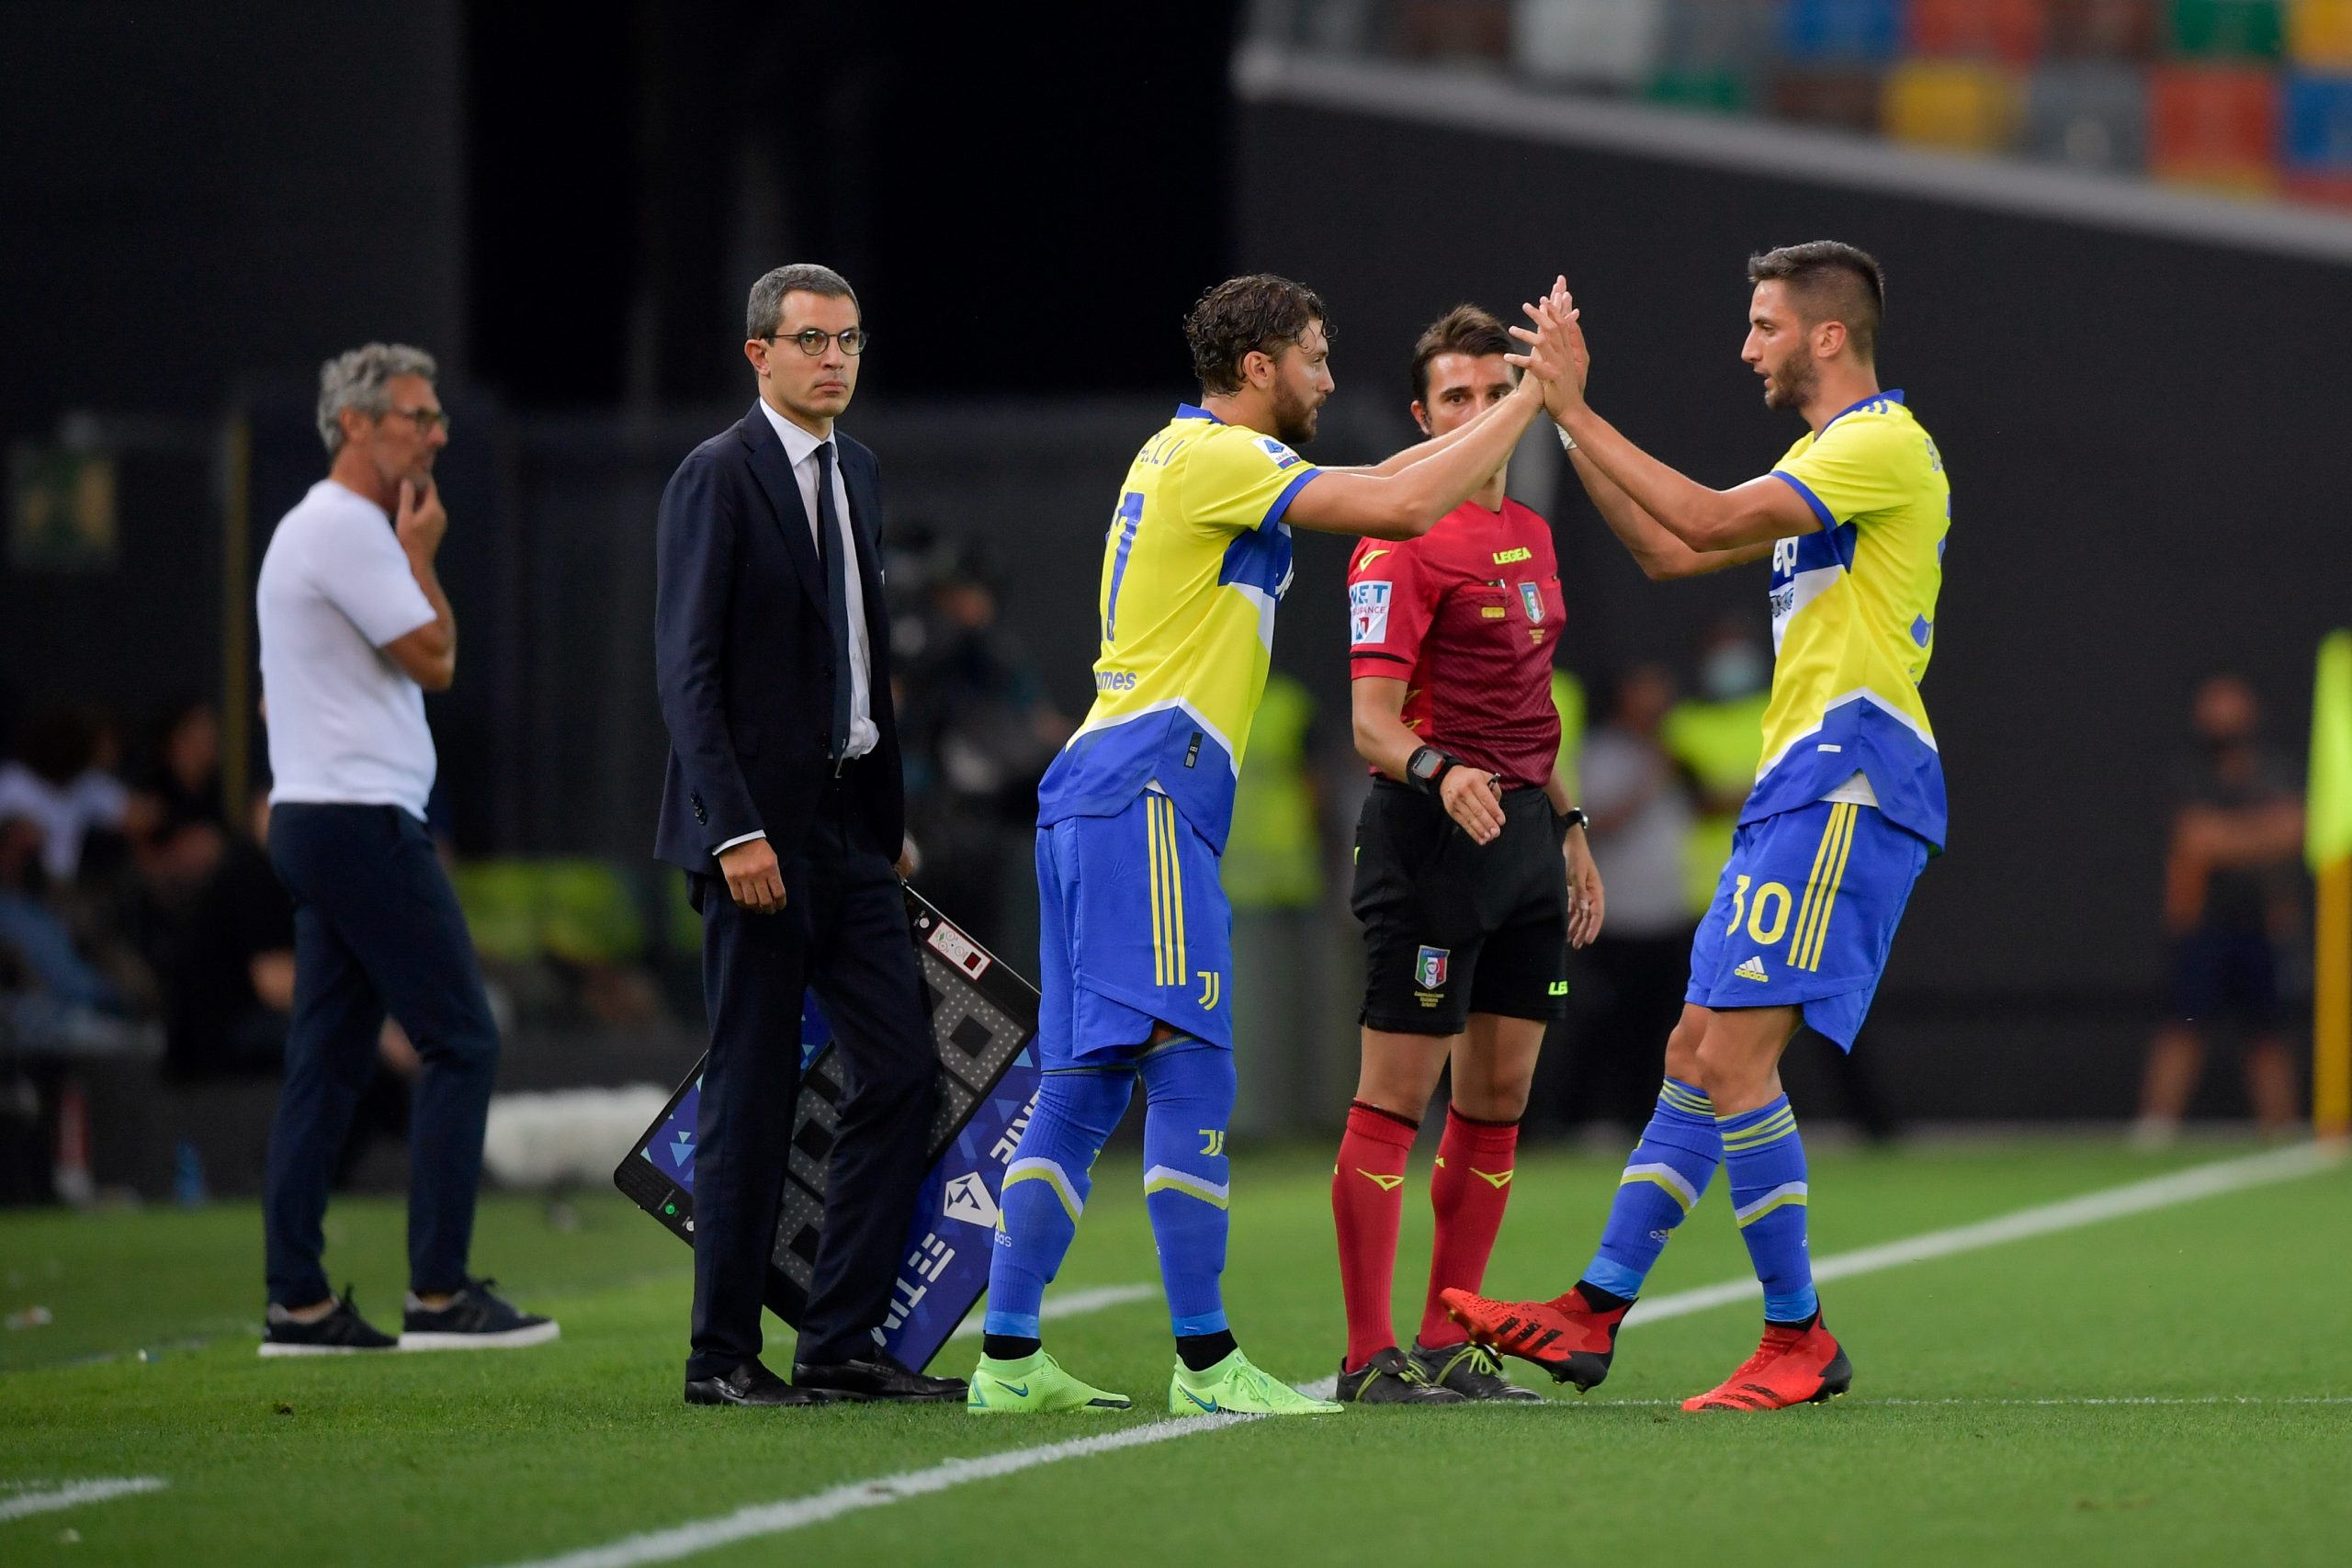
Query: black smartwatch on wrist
x=1425 y=769
x=1574 y=816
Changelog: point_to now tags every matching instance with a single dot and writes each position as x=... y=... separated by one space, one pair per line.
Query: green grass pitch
x=1991 y=1420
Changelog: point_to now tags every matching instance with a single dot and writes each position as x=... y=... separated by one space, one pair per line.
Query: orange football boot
x=1566 y=1336
x=1792 y=1365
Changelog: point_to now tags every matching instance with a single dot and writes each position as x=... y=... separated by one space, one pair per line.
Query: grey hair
x=356 y=380
x=766 y=307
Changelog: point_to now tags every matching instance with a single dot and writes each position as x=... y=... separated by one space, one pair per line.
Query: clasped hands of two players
x=1557 y=355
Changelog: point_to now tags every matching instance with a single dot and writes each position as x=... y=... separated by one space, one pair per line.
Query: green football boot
x=1235 y=1387
x=1033 y=1385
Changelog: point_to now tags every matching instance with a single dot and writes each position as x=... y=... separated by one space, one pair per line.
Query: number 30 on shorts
x=1767 y=918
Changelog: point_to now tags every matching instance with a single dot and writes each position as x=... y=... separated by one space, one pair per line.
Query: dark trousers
x=376 y=926
x=842 y=933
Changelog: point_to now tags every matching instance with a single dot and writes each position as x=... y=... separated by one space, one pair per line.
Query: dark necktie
x=834 y=560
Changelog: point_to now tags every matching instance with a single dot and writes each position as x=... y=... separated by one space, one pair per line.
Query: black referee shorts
x=1453 y=927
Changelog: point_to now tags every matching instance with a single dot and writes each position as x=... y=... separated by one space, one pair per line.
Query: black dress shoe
x=750 y=1383
x=875 y=1380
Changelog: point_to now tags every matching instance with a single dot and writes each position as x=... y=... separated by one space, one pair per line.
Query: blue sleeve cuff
x=1820 y=512
x=1281 y=501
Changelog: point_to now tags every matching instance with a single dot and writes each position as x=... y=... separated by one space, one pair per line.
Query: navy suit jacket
x=742 y=655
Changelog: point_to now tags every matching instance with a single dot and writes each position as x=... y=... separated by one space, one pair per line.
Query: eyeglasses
x=425 y=420
x=812 y=339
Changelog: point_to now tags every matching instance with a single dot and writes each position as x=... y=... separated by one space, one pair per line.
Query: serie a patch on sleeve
x=1368 y=611
x=1276 y=453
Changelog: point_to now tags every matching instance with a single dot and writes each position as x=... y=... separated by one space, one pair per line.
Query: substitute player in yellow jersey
x=1848 y=805
x=1134 y=965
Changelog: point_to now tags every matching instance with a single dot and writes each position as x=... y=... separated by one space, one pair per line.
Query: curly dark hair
x=1260 y=313
x=1466 y=329
x=1833 y=282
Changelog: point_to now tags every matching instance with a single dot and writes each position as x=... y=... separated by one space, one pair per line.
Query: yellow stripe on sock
x=1682 y=1100
x=1829 y=901
x=1773 y=1128
x=1784 y=1200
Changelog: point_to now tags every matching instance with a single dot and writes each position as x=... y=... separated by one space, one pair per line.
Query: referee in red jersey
x=1467 y=905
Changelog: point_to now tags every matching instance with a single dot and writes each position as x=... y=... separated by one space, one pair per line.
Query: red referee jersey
x=1466 y=616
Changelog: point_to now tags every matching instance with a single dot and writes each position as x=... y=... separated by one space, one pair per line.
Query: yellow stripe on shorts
x=1813 y=886
x=1159 y=895
x=1819 y=936
x=1179 y=972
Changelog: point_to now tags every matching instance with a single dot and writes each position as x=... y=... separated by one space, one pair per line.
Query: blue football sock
x=1766 y=1160
x=1046 y=1188
x=1188 y=1089
x=1668 y=1171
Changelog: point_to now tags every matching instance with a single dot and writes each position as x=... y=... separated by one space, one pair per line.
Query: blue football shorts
x=1134 y=928
x=1804 y=915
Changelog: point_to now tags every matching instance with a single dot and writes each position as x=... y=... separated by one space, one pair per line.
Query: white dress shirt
x=801 y=450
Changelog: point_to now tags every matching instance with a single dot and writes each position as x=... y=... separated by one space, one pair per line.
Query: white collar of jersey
x=799 y=444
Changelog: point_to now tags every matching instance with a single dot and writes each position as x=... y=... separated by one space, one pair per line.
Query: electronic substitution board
x=984 y=1025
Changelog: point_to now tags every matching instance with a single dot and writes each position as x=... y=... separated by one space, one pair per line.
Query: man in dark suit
x=785 y=804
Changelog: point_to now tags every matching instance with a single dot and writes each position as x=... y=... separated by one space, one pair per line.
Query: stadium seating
x=2244 y=96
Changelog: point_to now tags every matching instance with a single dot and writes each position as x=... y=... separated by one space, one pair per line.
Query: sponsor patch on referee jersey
x=1368 y=611
x=1277 y=454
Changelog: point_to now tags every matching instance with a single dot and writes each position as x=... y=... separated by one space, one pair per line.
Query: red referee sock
x=1468 y=1192
x=1367 y=1206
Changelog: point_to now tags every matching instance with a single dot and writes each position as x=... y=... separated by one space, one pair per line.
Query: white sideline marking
x=1071 y=1306
x=2043 y=1219
x=797 y=1512
x=74 y=1494
x=774 y=1518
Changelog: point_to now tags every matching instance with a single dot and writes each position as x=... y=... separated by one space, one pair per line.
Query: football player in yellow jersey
x=1846 y=808
x=1135 y=962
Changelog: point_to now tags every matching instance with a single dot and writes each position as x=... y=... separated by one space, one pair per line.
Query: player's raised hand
x=1564 y=306
x=1546 y=359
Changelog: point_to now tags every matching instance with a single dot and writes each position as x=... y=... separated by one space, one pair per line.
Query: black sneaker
x=342 y=1332
x=474 y=1320
x=1389 y=1378
x=1471 y=1370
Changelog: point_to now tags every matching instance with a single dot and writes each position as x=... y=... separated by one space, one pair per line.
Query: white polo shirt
x=346 y=725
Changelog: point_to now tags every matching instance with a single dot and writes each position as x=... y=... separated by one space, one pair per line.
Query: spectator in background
x=1718 y=738
x=62 y=780
x=1643 y=818
x=176 y=822
x=979 y=719
x=1273 y=872
x=54 y=997
x=2230 y=896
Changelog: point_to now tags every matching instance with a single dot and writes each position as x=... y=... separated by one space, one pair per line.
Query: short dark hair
x=1466 y=329
x=1833 y=282
x=766 y=308
x=1257 y=314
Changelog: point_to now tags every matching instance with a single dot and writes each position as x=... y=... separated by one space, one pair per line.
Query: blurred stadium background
x=2119 y=235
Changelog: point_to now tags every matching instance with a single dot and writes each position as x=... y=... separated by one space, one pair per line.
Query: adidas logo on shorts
x=1753 y=969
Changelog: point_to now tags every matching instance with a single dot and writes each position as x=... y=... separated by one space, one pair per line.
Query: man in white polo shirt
x=355 y=629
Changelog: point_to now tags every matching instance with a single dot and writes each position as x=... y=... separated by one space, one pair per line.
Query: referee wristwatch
x=1574 y=816
x=1425 y=769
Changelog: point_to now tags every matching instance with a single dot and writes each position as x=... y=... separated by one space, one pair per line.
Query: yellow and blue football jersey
x=1196 y=560
x=1854 y=620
